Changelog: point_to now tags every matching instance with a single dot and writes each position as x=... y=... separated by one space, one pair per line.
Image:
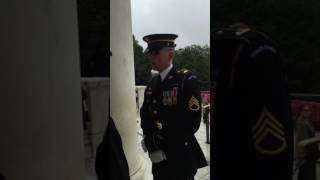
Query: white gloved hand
x=157 y=156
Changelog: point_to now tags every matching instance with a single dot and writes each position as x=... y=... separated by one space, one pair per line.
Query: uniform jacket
x=253 y=136
x=170 y=116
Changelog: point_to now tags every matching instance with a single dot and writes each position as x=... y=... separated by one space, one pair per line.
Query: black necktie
x=159 y=81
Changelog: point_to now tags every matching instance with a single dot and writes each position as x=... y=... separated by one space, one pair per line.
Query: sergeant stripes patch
x=266 y=127
x=194 y=104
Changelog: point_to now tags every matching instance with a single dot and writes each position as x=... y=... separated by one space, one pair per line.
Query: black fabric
x=164 y=172
x=111 y=163
x=94 y=28
x=307 y=171
x=159 y=41
x=2 y=177
x=155 y=37
x=312 y=150
x=250 y=81
x=182 y=150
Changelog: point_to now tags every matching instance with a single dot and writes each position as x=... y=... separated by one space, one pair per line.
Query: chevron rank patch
x=194 y=104
x=268 y=134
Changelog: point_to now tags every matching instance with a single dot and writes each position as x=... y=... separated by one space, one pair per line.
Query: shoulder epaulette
x=184 y=74
x=184 y=71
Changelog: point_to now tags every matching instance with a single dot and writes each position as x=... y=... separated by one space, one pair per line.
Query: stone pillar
x=122 y=84
x=141 y=90
x=98 y=106
x=41 y=122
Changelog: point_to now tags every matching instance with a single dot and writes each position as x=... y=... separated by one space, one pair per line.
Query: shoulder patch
x=194 y=104
x=268 y=134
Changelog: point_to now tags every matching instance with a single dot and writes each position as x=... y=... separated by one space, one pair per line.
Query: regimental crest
x=268 y=134
x=194 y=104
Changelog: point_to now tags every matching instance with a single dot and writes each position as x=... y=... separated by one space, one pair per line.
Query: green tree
x=196 y=59
x=141 y=65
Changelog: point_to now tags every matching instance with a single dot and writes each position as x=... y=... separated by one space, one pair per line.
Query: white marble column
x=122 y=84
x=140 y=90
x=41 y=122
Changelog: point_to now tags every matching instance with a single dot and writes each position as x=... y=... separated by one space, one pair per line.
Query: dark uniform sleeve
x=275 y=101
x=272 y=130
x=148 y=127
x=189 y=113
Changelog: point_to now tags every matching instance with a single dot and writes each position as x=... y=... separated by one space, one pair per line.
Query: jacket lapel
x=169 y=77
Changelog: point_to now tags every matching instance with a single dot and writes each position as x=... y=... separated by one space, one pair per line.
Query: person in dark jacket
x=111 y=162
x=253 y=124
x=171 y=114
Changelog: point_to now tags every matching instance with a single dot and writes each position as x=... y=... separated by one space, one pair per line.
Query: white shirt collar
x=165 y=72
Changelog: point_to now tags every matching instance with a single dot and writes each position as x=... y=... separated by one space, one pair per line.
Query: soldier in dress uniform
x=253 y=125
x=171 y=114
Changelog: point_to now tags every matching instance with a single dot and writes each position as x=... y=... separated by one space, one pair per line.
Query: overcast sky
x=189 y=19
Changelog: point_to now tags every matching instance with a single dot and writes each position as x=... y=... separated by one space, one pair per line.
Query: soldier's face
x=160 y=59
